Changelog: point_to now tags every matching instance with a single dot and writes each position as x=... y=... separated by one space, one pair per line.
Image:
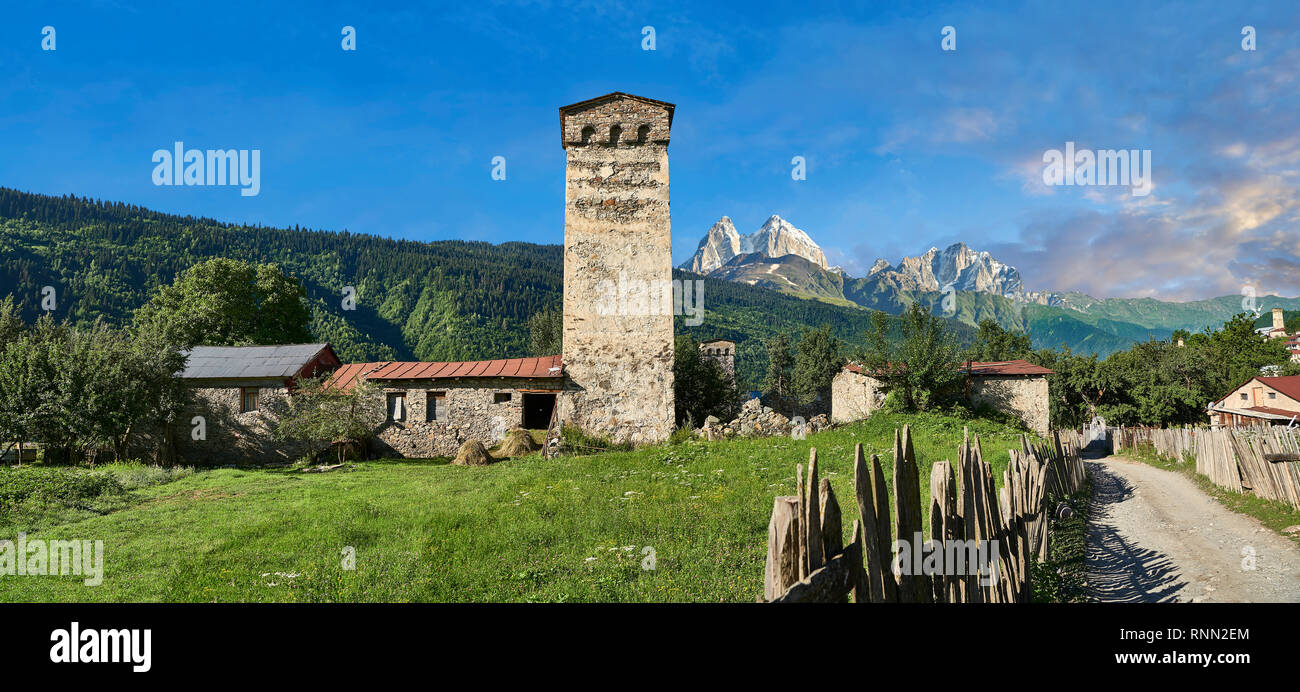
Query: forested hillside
x=445 y=300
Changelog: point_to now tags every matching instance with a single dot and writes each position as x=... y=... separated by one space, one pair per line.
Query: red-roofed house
x=1015 y=386
x=433 y=407
x=1272 y=400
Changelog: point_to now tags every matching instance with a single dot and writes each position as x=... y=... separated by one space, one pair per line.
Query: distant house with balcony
x=1259 y=400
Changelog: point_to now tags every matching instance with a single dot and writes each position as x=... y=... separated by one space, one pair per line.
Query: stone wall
x=854 y=396
x=618 y=327
x=472 y=413
x=232 y=437
x=1025 y=397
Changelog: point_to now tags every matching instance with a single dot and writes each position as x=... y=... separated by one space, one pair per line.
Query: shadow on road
x=1118 y=570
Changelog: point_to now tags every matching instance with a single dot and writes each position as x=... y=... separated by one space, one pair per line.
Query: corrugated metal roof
x=244 y=362
x=1008 y=367
x=544 y=367
x=982 y=369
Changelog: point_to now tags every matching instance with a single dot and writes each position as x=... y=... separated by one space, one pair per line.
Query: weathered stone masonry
x=471 y=412
x=1016 y=387
x=617 y=233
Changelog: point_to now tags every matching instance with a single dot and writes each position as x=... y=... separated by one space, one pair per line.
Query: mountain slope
x=446 y=300
x=981 y=287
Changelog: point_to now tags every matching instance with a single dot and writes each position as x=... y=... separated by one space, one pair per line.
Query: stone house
x=617 y=376
x=1016 y=386
x=236 y=395
x=434 y=407
x=1259 y=400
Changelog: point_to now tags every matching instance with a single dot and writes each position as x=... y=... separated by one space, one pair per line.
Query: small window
x=397 y=407
x=1243 y=396
x=435 y=407
x=1272 y=395
x=501 y=398
x=248 y=400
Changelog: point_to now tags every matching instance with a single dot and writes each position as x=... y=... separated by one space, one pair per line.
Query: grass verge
x=1062 y=578
x=580 y=528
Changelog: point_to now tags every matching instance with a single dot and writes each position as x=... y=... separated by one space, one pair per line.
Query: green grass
x=1062 y=578
x=1274 y=514
x=527 y=529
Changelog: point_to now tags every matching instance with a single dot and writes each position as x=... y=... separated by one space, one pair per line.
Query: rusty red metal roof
x=983 y=369
x=1272 y=411
x=346 y=375
x=544 y=367
x=1008 y=367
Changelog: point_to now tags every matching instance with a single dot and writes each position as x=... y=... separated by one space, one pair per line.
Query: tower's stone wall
x=618 y=325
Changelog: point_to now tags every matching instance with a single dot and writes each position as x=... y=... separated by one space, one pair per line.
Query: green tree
x=11 y=322
x=319 y=415
x=86 y=389
x=922 y=369
x=225 y=302
x=818 y=358
x=779 y=380
x=701 y=388
x=546 y=332
x=993 y=343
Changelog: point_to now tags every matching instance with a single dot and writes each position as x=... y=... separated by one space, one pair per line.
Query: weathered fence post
x=782 y=547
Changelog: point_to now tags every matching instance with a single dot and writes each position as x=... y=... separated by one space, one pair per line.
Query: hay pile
x=473 y=453
x=518 y=442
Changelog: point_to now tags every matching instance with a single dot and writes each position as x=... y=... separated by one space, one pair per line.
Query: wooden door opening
x=537 y=410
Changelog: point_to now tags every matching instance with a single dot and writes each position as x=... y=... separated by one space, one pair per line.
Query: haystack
x=473 y=453
x=518 y=442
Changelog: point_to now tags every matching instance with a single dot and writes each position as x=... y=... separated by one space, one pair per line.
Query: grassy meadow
x=573 y=529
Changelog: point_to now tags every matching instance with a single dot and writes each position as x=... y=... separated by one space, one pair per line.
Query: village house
x=1017 y=387
x=237 y=395
x=431 y=408
x=616 y=379
x=1259 y=400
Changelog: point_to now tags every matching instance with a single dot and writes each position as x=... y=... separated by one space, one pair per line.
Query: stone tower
x=618 y=317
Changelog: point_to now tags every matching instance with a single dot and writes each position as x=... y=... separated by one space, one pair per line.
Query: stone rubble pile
x=757 y=420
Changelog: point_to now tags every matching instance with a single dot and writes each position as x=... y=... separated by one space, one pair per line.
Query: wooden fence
x=1262 y=459
x=807 y=560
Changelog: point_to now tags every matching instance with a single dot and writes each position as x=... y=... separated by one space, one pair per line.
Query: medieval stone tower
x=618 y=321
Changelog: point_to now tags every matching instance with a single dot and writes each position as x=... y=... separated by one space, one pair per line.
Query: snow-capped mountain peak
x=776 y=238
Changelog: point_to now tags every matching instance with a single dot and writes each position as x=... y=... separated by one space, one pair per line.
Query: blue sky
x=907 y=145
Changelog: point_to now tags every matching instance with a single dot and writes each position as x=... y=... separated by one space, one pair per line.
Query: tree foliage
x=224 y=302
x=779 y=380
x=546 y=332
x=994 y=343
x=818 y=358
x=320 y=415
x=86 y=389
x=701 y=388
x=922 y=369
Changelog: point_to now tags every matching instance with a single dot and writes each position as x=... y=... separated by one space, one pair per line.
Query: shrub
x=65 y=486
x=133 y=474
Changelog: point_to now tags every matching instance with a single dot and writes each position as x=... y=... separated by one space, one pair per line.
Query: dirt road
x=1156 y=537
